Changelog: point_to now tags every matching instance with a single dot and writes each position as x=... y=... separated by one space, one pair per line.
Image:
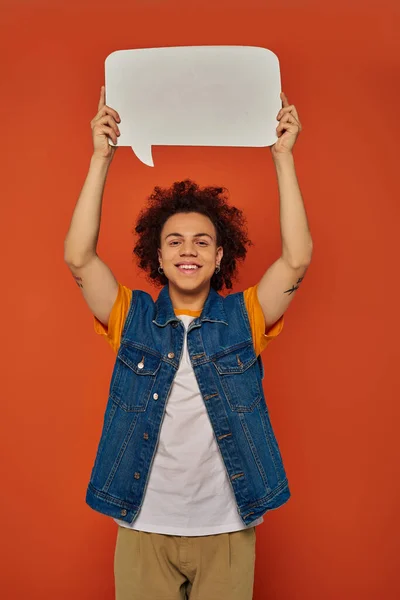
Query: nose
x=188 y=249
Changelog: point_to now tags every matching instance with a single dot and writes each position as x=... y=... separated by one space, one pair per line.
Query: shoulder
x=234 y=305
x=141 y=296
x=233 y=298
x=138 y=301
x=235 y=302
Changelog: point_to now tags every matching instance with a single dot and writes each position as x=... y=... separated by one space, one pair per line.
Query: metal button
x=155 y=396
x=174 y=324
x=171 y=355
x=140 y=365
x=146 y=436
x=124 y=512
x=137 y=475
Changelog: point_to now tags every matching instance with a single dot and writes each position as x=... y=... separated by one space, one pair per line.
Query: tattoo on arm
x=294 y=287
x=78 y=281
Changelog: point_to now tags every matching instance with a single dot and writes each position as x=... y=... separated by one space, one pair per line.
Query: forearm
x=81 y=241
x=295 y=232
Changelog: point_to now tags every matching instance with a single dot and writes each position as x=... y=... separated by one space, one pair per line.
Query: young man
x=187 y=462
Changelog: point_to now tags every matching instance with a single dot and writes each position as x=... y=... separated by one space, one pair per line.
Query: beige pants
x=154 y=566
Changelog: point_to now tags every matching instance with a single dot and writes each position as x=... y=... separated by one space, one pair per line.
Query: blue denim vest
x=229 y=376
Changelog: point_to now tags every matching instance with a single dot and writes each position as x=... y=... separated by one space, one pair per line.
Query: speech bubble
x=194 y=96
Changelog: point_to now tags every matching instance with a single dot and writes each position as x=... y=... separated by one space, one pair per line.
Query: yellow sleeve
x=261 y=337
x=116 y=322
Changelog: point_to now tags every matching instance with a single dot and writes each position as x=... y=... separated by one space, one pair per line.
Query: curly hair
x=184 y=197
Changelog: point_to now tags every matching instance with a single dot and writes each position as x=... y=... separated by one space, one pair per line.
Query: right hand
x=104 y=125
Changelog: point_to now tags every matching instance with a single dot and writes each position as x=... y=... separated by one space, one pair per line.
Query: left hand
x=287 y=130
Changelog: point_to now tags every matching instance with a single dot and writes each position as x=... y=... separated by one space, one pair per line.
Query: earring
x=161 y=270
x=217 y=269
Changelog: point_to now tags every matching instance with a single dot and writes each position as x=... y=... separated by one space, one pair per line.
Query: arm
x=279 y=283
x=96 y=281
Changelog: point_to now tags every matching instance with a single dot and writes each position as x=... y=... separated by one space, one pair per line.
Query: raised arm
x=95 y=279
x=279 y=283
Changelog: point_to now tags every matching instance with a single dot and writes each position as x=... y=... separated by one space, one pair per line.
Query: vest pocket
x=239 y=374
x=134 y=376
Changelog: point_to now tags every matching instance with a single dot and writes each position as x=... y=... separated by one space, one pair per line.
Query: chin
x=189 y=285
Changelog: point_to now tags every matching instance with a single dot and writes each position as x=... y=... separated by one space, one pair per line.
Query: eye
x=174 y=242
x=203 y=243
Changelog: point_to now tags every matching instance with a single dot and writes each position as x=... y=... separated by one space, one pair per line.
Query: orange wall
x=332 y=379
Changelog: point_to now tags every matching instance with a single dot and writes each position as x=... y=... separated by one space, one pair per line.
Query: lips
x=188 y=268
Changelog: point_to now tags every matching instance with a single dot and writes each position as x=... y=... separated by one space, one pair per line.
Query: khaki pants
x=154 y=566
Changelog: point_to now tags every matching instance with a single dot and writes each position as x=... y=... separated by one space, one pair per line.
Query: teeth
x=188 y=267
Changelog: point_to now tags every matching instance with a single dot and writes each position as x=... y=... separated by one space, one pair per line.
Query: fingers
x=286 y=107
x=104 y=109
x=109 y=131
x=289 y=110
x=289 y=118
x=101 y=122
x=286 y=121
x=102 y=98
x=285 y=101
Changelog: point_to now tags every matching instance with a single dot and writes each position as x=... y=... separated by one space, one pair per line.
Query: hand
x=103 y=125
x=287 y=130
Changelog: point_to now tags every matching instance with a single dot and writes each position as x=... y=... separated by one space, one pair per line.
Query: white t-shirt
x=188 y=492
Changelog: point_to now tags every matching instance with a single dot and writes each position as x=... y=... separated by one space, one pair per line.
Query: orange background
x=332 y=377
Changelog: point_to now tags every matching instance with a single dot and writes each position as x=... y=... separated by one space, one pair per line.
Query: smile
x=188 y=269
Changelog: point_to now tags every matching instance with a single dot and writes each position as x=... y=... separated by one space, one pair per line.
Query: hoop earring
x=217 y=269
x=161 y=270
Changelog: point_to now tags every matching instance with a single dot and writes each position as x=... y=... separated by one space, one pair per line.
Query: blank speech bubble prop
x=194 y=96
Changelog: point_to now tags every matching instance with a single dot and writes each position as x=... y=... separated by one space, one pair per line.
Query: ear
x=220 y=253
x=159 y=254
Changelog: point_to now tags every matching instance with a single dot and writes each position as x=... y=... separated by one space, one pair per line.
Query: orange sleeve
x=261 y=337
x=116 y=322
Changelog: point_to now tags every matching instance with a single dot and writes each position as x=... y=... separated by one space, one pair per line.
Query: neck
x=191 y=300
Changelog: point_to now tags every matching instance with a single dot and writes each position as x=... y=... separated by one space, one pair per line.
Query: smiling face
x=189 y=253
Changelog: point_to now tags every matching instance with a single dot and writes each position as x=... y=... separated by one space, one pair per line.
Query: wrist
x=282 y=156
x=283 y=159
x=100 y=161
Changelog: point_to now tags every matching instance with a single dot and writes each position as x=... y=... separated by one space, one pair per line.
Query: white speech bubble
x=194 y=96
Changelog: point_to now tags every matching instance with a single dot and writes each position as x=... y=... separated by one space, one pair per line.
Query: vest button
x=174 y=324
x=171 y=355
x=155 y=396
x=146 y=436
x=140 y=365
x=124 y=512
x=137 y=475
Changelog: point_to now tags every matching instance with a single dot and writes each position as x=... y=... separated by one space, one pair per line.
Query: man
x=187 y=462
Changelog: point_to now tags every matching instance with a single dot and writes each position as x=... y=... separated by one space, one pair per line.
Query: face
x=189 y=252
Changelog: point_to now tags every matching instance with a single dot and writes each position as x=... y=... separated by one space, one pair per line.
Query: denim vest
x=229 y=376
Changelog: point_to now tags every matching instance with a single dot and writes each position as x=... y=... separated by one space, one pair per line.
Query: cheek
x=167 y=253
x=210 y=256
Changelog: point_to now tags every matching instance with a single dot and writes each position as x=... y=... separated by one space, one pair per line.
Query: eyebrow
x=196 y=235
